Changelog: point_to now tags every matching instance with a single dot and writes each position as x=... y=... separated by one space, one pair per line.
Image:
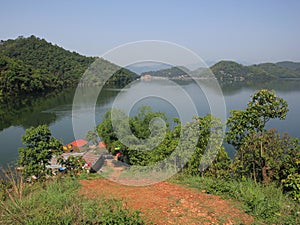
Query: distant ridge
x=290 y=65
x=230 y=70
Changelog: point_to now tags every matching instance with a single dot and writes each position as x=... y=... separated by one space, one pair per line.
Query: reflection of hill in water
x=35 y=110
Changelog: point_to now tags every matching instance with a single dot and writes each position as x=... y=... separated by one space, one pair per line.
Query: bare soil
x=168 y=203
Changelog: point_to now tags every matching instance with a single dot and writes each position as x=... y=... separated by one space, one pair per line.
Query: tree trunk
x=265 y=175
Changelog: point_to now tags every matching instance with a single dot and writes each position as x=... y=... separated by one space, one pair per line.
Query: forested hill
x=31 y=65
x=169 y=72
x=230 y=70
x=290 y=65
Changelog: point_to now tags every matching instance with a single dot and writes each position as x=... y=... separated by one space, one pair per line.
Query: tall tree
x=38 y=150
x=259 y=152
x=264 y=105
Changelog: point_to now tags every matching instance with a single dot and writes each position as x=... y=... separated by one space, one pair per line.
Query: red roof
x=79 y=143
x=101 y=144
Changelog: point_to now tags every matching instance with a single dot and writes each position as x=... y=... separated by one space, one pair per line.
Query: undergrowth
x=266 y=203
x=58 y=202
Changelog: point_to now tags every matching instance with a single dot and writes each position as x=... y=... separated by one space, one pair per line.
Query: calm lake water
x=55 y=110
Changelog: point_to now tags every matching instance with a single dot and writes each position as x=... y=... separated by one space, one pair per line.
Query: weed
x=58 y=202
x=266 y=203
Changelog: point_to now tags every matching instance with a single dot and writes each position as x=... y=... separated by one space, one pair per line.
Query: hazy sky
x=249 y=31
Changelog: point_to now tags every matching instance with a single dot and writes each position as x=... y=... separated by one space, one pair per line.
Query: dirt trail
x=167 y=203
x=116 y=171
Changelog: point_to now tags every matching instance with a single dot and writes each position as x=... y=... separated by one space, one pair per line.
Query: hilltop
x=33 y=65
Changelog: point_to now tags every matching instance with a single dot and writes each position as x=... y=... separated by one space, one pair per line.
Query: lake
x=183 y=99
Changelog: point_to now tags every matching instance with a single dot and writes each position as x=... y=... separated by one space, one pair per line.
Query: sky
x=249 y=32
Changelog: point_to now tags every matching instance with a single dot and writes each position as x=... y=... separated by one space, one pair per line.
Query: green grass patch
x=58 y=202
x=266 y=203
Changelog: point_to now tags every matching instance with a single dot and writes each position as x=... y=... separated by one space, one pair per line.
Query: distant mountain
x=274 y=70
x=31 y=65
x=170 y=72
x=289 y=65
x=230 y=70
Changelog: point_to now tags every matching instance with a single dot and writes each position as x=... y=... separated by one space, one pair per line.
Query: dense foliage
x=31 y=65
x=278 y=71
x=265 y=105
x=102 y=72
x=263 y=155
x=38 y=150
x=208 y=130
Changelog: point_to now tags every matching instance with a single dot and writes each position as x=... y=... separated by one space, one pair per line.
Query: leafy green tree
x=266 y=157
x=259 y=153
x=139 y=139
x=265 y=105
x=38 y=150
x=209 y=157
x=106 y=131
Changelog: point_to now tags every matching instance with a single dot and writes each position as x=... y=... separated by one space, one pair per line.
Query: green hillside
x=278 y=71
x=230 y=70
x=31 y=65
x=170 y=72
x=289 y=65
x=263 y=71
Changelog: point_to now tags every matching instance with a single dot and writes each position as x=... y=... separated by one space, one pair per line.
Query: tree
x=106 y=131
x=209 y=157
x=265 y=105
x=266 y=157
x=259 y=152
x=38 y=150
x=132 y=136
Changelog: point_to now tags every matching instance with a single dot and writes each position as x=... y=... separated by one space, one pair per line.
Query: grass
x=58 y=202
x=266 y=203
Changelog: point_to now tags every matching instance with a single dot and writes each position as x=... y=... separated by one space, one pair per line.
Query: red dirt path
x=167 y=203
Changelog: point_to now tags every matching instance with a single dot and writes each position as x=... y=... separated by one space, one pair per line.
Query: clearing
x=168 y=203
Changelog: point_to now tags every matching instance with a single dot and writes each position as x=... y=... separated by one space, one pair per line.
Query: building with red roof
x=79 y=143
x=102 y=144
